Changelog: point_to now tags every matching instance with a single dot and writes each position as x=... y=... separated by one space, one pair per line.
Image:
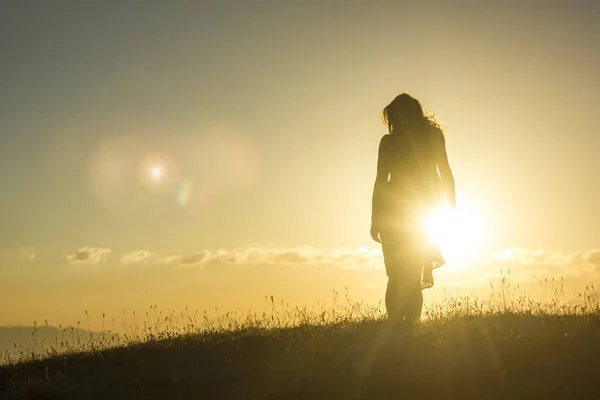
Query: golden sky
x=209 y=154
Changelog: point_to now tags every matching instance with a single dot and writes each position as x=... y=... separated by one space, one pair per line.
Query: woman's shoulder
x=387 y=138
x=386 y=145
x=437 y=135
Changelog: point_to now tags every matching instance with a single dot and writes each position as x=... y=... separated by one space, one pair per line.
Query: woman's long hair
x=405 y=113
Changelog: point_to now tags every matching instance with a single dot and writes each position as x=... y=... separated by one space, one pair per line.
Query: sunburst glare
x=458 y=233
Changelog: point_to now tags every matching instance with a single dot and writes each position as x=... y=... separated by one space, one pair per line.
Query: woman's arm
x=446 y=176
x=380 y=181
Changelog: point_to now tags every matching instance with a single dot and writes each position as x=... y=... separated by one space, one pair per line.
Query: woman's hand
x=375 y=233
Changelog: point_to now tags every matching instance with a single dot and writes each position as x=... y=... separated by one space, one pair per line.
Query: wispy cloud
x=590 y=257
x=593 y=257
x=191 y=260
x=352 y=258
x=579 y=267
x=545 y=257
x=89 y=255
x=137 y=256
x=525 y=265
x=531 y=257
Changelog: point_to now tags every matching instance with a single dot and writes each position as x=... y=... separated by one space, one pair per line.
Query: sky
x=206 y=154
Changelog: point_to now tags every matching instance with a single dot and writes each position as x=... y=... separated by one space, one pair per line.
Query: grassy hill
x=464 y=351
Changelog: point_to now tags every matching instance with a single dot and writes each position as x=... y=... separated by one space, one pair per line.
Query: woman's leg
x=414 y=305
x=403 y=298
x=393 y=299
x=391 y=247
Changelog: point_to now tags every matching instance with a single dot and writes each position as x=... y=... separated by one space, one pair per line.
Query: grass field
x=506 y=347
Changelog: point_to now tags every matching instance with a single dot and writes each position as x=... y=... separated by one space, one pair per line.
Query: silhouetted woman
x=413 y=176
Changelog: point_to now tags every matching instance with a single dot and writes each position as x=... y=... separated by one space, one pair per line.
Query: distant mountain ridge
x=19 y=338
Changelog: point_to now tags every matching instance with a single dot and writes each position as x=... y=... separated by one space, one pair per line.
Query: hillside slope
x=504 y=356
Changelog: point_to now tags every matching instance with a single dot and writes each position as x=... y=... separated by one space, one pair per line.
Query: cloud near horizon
x=524 y=265
x=582 y=267
x=519 y=256
x=136 y=257
x=524 y=256
x=347 y=258
x=89 y=255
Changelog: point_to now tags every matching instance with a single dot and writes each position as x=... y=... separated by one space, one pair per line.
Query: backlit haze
x=206 y=154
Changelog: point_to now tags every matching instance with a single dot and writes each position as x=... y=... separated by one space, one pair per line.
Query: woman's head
x=406 y=113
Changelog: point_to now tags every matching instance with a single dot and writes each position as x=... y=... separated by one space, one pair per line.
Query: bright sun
x=156 y=172
x=458 y=233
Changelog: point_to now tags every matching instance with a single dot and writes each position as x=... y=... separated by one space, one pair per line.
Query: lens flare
x=185 y=192
x=156 y=172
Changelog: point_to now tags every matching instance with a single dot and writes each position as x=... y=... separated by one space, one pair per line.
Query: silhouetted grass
x=505 y=347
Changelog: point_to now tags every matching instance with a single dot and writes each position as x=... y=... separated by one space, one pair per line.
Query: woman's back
x=411 y=159
x=413 y=173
